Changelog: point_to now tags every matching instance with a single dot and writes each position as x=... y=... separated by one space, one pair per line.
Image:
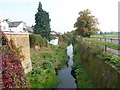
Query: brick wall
x=22 y=40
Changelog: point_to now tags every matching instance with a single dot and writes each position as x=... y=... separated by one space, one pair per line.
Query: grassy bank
x=107 y=36
x=45 y=61
x=99 y=65
x=97 y=49
x=83 y=80
x=109 y=44
x=54 y=54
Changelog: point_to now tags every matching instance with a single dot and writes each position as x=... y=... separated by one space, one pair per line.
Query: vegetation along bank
x=102 y=68
x=46 y=59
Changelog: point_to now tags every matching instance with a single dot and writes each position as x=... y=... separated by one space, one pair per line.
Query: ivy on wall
x=10 y=65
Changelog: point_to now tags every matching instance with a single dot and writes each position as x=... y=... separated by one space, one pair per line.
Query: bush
x=37 y=40
x=43 y=77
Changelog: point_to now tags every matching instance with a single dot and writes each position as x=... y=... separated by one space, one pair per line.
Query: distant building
x=55 y=34
x=14 y=27
x=19 y=26
x=4 y=25
x=29 y=29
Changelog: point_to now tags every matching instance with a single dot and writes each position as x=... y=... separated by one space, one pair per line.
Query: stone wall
x=22 y=41
x=99 y=70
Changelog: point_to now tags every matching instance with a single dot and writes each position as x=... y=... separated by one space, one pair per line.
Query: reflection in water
x=70 y=54
x=54 y=42
x=67 y=80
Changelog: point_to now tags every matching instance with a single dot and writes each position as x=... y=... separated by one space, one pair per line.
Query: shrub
x=43 y=77
x=37 y=40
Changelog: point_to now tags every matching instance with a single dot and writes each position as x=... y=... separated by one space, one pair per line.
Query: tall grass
x=83 y=80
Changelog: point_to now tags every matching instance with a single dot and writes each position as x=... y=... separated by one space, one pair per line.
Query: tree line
x=85 y=25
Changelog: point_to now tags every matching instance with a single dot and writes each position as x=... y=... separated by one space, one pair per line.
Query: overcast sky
x=63 y=13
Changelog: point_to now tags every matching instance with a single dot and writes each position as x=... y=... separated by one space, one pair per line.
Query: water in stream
x=54 y=42
x=67 y=80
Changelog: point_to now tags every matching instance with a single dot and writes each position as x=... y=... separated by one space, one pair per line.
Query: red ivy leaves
x=11 y=67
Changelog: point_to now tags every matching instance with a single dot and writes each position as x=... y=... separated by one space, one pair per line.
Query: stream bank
x=82 y=78
x=98 y=64
x=44 y=62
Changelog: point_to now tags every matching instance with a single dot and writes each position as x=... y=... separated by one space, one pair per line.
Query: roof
x=14 y=24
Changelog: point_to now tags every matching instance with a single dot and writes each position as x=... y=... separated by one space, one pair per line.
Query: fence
x=112 y=40
x=105 y=48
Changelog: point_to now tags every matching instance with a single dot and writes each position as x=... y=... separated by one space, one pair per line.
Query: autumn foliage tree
x=86 y=24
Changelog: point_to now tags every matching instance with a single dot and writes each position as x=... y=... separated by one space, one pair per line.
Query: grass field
x=106 y=36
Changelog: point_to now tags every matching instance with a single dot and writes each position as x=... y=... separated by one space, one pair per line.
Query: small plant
x=114 y=60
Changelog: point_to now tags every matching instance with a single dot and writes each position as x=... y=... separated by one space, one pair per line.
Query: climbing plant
x=12 y=72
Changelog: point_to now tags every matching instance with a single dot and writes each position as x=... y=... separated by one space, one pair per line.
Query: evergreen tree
x=42 y=21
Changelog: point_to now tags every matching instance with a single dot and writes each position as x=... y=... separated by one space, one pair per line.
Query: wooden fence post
x=111 y=40
x=0 y=41
x=105 y=39
x=105 y=47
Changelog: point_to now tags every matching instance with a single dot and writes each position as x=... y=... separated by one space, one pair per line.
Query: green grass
x=83 y=80
x=107 y=36
x=44 y=63
x=109 y=44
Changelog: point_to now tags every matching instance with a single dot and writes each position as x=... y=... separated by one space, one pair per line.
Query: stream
x=67 y=80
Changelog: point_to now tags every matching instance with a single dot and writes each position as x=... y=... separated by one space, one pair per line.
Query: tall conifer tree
x=42 y=21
